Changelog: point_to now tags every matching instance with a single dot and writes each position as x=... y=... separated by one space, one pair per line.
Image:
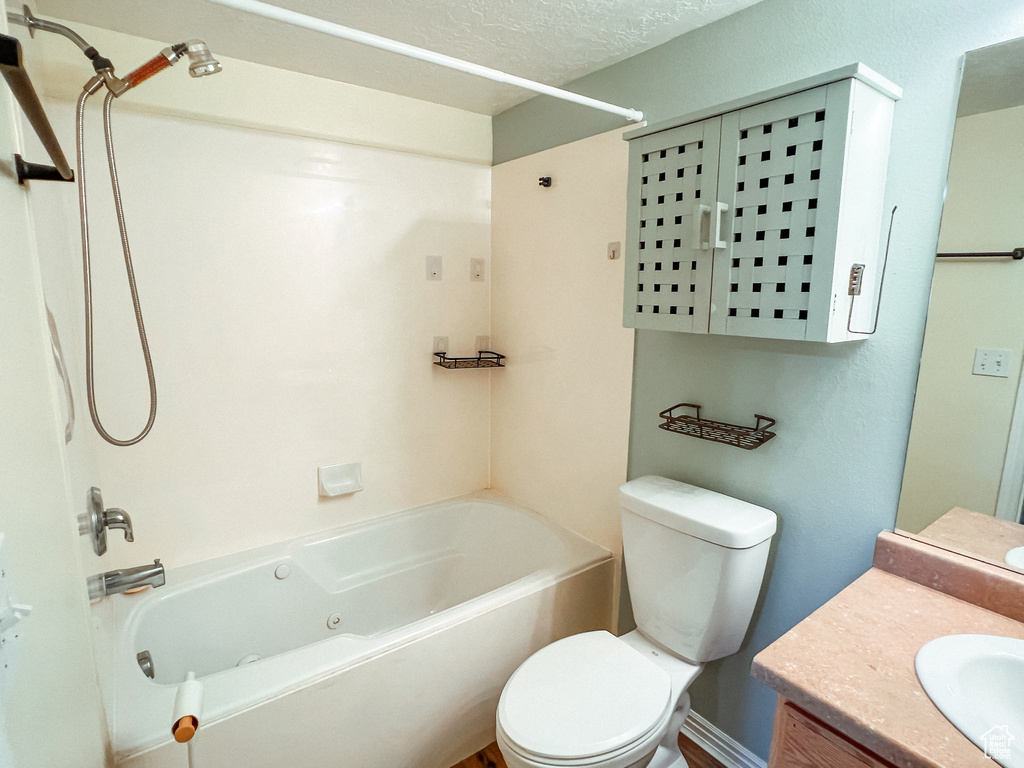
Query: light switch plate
x=992 y=362
x=476 y=270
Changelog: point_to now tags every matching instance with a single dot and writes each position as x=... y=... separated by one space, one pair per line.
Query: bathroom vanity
x=804 y=740
x=849 y=693
x=847 y=675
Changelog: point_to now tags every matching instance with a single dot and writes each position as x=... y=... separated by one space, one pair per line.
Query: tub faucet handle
x=96 y=520
x=118 y=518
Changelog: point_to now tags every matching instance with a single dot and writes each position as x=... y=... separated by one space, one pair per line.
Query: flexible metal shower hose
x=87 y=270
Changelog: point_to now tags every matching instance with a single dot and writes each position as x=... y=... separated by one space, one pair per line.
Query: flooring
x=490 y=757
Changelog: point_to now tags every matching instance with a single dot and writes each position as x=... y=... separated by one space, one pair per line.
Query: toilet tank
x=695 y=561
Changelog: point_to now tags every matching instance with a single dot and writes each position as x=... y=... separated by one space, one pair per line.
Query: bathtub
x=380 y=645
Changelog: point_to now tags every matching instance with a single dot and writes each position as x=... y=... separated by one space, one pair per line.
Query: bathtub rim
x=203 y=571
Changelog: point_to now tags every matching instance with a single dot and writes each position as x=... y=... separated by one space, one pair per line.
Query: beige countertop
x=851 y=665
x=978 y=535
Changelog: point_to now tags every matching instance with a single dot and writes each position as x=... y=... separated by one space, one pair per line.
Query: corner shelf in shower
x=483 y=359
x=693 y=425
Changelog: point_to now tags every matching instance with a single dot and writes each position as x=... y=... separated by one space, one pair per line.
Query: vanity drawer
x=801 y=741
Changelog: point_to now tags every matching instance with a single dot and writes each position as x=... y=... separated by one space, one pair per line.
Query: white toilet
x=695 y=561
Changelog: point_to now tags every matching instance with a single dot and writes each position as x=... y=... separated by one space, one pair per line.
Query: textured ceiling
x=546 y=40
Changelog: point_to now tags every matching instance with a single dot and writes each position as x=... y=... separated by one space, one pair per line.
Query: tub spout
x=114 y=582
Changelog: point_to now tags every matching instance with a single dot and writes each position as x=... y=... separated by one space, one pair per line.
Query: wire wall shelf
x=483 y=359
x=693 y=425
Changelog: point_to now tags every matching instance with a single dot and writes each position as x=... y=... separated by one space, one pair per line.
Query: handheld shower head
x=201 y=61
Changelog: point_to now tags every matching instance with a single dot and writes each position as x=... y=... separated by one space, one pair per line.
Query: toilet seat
x=583 y=700
x=624 y=757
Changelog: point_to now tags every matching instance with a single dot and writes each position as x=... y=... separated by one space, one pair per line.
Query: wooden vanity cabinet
x=800 y=740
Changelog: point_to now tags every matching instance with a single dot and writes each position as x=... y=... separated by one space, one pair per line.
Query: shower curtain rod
x=356 y=36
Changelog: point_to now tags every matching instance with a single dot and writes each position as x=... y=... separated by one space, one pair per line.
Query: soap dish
x=339 y=479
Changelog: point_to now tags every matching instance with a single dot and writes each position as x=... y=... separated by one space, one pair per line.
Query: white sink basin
x=977 y=682
x=1015 y=557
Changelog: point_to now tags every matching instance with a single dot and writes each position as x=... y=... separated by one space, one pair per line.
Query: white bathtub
x=431 y=610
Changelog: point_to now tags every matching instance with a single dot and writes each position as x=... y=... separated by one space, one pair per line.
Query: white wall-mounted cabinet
x=746 y=220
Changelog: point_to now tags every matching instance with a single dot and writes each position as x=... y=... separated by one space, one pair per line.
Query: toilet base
x=667 y=758
x=668 y=754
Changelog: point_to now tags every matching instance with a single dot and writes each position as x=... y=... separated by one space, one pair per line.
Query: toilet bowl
x=594 y=699
x=695 y=561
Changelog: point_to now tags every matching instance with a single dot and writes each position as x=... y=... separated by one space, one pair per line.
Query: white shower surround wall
x=291 y=323
x=438 y=606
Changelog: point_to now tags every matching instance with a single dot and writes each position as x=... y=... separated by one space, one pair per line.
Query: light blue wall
x=833 y=473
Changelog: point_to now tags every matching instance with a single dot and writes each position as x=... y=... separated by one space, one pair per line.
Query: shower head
x=201 y=61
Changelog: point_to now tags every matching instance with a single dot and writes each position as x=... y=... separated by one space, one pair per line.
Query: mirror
x=963 y=485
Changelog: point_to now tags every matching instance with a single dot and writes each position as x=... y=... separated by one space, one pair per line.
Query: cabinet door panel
x=668 y=263
x=774 y=278
x=801 y=741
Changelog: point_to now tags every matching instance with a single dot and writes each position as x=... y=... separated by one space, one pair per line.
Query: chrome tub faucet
x=123 y=579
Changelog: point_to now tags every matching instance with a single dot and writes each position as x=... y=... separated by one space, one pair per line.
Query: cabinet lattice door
x=748 y=223
x=671 y=284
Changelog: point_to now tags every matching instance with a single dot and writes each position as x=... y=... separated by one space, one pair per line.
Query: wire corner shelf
x=482 y=359
x=693 y=425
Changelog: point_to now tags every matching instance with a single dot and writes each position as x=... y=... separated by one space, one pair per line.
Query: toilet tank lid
x=698 y=512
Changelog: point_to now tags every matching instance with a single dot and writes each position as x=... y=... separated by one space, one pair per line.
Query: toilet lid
x=583 y=696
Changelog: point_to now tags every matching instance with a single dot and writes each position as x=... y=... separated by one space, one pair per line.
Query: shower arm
x=202 y=62
x=103 y=66
x=26 y=19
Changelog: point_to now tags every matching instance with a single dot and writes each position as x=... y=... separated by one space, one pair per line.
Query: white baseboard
x=719 y=744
